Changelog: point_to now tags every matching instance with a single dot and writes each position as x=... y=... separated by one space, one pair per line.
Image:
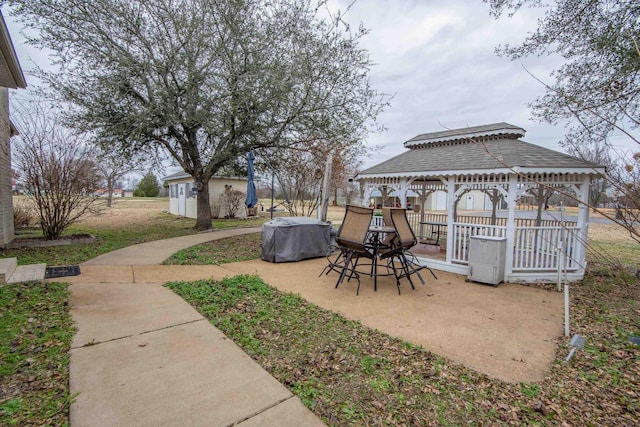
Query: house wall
x=6 y=196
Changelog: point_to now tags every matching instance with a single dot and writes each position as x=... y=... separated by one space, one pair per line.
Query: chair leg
x=395 y=273
x=412 y=269
x=347 y=260
x=411 y=260
x=354 y=272
x=333 y=265
x=406 y=268
x=391 y=265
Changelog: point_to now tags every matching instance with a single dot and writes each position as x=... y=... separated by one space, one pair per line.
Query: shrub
x=231 y=200
x=22 y=216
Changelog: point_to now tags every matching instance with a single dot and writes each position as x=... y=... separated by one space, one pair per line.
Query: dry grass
x=128 y=212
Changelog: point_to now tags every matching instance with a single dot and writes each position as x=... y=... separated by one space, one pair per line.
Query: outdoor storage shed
x=294 y=239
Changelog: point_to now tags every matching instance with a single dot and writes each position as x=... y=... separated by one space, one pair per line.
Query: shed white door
x=182 y=200
x=469 y=203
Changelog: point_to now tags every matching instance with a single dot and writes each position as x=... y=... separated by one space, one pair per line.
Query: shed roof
x=460 y=152
x=182 y=175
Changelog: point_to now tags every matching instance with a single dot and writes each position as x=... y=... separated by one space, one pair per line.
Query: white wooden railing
x=540 y=248
x=377 y=221
x=535 y=248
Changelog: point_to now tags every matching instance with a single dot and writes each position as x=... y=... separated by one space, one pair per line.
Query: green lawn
x=116 y=236
x=35 y=336
x=240 y=248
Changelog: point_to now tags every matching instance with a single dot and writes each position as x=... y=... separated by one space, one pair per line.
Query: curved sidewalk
x=159 y=250
x=142 y=356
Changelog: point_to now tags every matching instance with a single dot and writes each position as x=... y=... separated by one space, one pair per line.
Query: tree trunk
x=203 y=221
x=109 y=192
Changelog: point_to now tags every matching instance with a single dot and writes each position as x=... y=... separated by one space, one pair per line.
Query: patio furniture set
x=361 y=248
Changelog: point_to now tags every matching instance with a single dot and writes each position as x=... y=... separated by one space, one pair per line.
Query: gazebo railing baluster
x=539 y=248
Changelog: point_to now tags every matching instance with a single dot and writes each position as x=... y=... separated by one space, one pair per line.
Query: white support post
x=451 y=200
x=404 y=187
x=512 y=197
x=580 y=251
x=368 y=189
x=326 y=183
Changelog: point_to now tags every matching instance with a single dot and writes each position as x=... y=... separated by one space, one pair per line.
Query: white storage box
x=486 y=259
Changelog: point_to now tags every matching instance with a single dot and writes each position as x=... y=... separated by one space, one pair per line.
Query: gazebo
x=494 y=164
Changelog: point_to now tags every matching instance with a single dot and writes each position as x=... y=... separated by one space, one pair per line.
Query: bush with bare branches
x=58 y=172
x=231 y=200
x=22 y=216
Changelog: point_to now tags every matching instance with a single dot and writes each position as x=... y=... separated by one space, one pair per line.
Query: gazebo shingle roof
x=492 y=130
x=476 y=149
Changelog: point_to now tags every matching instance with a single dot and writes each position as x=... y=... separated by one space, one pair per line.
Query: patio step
x=11 y=272
x=7 y=267
x=28 y=273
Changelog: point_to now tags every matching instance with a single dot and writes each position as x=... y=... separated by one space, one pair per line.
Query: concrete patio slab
x=173 y=273
x=290 y=412
x=107 y=311
x=185 y=375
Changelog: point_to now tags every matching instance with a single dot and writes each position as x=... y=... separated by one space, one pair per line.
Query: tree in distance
x=148 y=186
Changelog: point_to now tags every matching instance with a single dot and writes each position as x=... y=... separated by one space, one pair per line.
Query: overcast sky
x=437 y=58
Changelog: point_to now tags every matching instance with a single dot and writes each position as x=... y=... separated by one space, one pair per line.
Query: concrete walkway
x=157 y=251
x=144 y=357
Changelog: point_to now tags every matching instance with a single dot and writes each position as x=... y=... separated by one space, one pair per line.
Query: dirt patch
x=507 y=332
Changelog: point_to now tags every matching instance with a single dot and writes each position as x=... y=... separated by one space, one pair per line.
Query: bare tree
x=113 y=165
x=596 y=90
x=299 y=174
x=58 y=171
x=599 y=154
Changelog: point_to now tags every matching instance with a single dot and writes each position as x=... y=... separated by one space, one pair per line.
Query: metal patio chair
x=403 y=240
x=352 y=242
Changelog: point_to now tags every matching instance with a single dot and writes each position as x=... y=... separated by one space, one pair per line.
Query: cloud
x=438 y=60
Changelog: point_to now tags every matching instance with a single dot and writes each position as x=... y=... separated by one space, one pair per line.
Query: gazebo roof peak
x=467 y=134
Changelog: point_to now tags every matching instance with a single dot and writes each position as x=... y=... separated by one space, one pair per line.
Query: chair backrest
x=386 y=217
x=355 y=226
x=403 y=229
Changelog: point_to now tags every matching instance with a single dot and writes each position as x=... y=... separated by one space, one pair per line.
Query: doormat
x=68 y=270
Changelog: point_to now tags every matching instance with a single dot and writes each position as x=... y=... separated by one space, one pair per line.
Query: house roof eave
x=10 y=59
